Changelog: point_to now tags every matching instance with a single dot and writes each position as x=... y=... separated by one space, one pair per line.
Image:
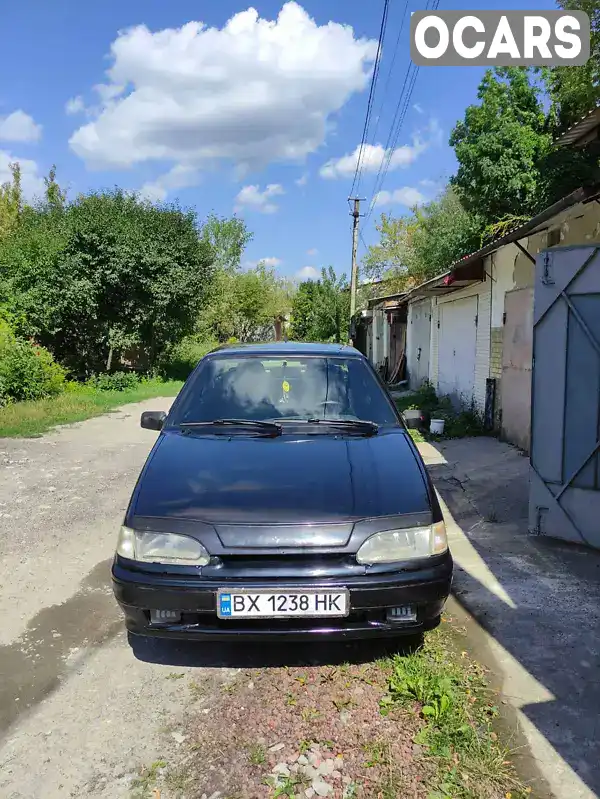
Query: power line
x=375 y=75
x=397 y=123
x=390 y=71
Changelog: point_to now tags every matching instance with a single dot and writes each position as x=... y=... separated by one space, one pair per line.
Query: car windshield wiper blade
x=263 y=427
x=360 y=425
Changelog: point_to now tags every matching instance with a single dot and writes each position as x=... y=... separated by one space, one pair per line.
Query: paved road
x=79 y=714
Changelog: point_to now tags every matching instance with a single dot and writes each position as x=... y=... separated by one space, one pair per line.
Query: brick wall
x=496 y=369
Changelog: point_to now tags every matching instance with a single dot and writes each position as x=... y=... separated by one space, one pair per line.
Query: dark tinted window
x=283 y=388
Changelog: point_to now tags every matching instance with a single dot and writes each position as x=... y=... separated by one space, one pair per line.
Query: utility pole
x=355 y=213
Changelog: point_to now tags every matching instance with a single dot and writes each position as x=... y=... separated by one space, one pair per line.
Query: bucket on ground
x=437 y=427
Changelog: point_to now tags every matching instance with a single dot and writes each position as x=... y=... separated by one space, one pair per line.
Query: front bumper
x=370 y=597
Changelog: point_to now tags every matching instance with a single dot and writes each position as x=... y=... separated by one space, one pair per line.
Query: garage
x=418 y=342
x=457 y=344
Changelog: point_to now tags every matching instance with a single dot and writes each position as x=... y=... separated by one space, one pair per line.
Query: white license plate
x=275 y=604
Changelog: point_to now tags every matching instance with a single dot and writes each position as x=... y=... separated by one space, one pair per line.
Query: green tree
x=508 y=166
x=499 y=146
x=259 y=297
x=55 y=197
x=424 y=243
x=576 y=90
x=106 y=273
x=11 y=201
x=228 y=238
x=321 y=309
x=304 y=311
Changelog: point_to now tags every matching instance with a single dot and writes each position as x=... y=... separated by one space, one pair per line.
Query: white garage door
x=418 y=352
x=456 y=351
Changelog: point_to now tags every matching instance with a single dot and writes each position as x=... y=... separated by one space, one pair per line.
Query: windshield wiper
x=270 y=428
x=359 y=425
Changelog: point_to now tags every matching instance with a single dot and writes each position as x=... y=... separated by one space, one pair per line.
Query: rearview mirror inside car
x=153 y=420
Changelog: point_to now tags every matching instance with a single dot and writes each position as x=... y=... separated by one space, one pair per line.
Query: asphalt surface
x=80 y=713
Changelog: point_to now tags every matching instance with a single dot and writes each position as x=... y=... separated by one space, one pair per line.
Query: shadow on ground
x=260 y=655
x=549 y=618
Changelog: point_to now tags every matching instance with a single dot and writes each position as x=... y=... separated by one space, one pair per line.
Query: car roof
x=278 y=348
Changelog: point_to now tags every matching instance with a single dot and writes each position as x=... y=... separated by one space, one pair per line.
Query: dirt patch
x=303 y=732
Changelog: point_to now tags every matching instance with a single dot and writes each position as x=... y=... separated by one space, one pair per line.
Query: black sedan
x=283 y=497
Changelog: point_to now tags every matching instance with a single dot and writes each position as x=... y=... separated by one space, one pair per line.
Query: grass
x=449 y=691
x=460 y=423
x=143 y=784
x=257 y=755
x=30 y=419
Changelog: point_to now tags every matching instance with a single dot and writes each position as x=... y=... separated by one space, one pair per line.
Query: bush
x=179 y=361
x=114 y=381
x=27 y=371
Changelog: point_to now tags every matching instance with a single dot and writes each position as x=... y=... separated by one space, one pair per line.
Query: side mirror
x=153 y=420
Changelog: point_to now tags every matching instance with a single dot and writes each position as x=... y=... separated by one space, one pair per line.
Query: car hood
x=290 y=480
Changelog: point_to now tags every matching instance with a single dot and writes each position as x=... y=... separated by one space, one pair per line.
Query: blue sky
x=253 y=117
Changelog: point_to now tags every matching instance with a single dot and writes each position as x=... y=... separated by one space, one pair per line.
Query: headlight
x=397 y=545
x=161 y=548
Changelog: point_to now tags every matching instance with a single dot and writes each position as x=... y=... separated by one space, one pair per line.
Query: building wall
x=482 y=350
x=517 y=367
x=511 y=270
x=418 y=335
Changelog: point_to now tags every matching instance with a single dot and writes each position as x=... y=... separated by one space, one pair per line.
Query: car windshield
x=280 y=389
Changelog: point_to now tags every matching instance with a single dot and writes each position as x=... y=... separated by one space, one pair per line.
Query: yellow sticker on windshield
x=285 y=386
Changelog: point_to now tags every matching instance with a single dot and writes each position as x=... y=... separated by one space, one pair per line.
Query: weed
x=452 y=696
x=288 y=786
x=257 y=755
x=375 y=753
x=291 y=700
x=342 y=704
x=196 y=690
x=461 y=423
x=329 y=675
x=141 y=786
x=310 y=714
x=304 y=746
x=175 y=675
x=177 y=780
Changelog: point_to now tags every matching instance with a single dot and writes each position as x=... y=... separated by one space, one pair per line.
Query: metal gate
x=564 y=499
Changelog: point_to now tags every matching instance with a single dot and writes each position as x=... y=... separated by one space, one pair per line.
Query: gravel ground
x=84 y=714
x=79 y=714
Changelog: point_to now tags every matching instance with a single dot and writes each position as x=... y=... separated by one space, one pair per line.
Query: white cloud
x=252 y=93
x=418 y=108
x=372 y=157
x=75 y=105
x=270 y=262
x=407 y=195
x=427 y=183
x=308 y=273
x=19 y=126
x=303 y=180
x=374 y=154
x=178 y=177
x=312 y=252
x=31 y=181
x=253 y=199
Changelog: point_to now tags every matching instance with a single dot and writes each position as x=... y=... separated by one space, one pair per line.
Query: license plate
x=275 y=604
